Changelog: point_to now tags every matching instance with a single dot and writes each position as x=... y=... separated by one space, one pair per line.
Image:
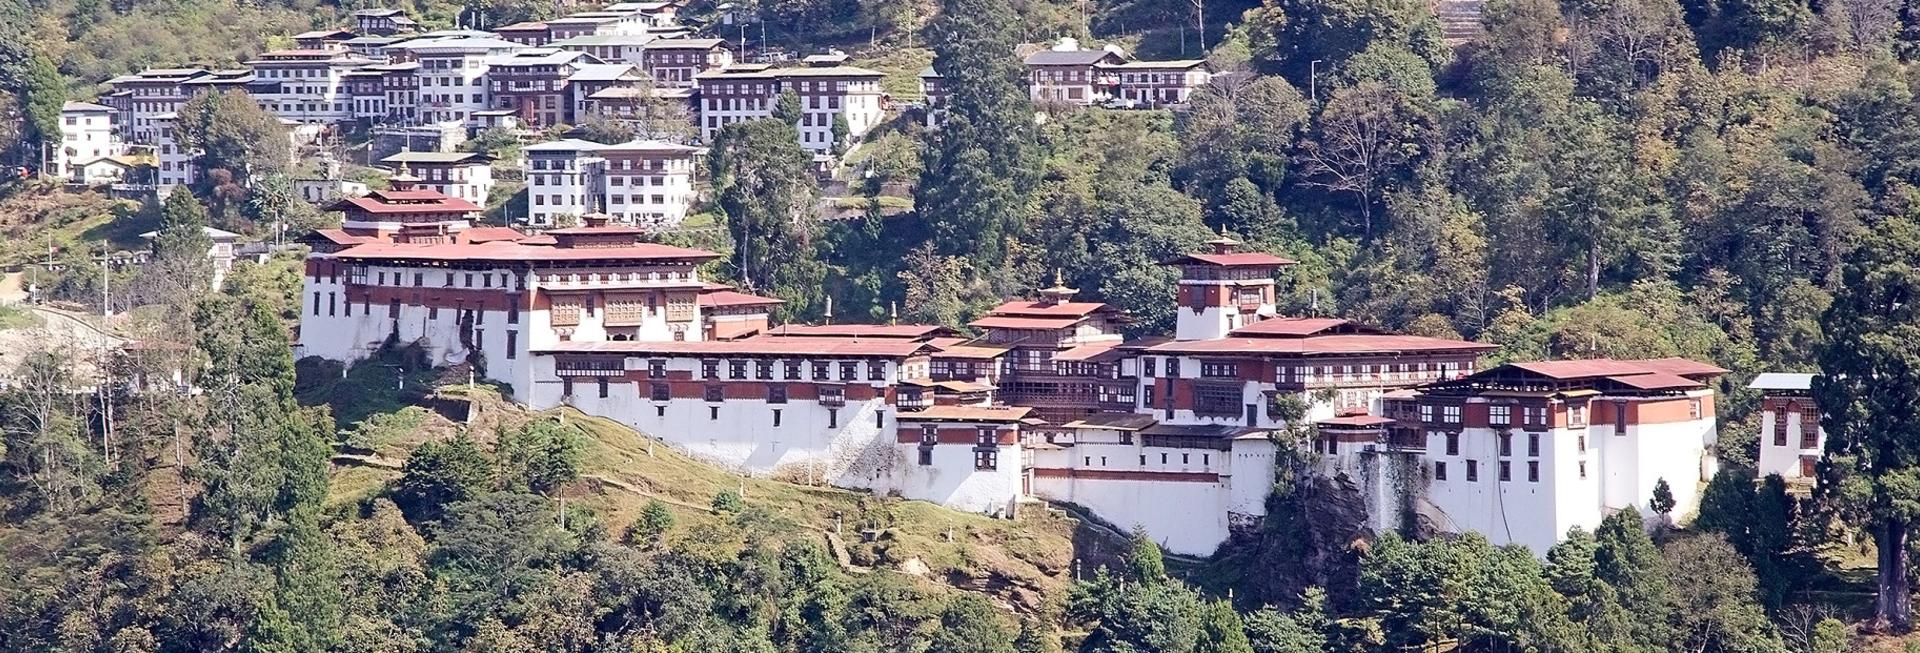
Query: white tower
x=1222 y=290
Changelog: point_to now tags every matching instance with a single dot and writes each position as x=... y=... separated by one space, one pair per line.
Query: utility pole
x=106 y=281
x=1313 y=80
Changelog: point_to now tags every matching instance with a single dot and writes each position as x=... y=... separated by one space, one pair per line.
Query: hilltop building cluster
x=1182 y=434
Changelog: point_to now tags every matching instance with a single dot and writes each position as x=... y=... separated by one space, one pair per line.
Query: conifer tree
x=761 y=182
x=981 y=161
x=1869 y=392
x=1628 y=562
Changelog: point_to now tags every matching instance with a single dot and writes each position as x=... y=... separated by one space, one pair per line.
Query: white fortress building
x=1179 y=435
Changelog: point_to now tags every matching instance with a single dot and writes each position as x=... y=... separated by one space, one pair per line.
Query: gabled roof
x=84 y=107
x=1174 y=64
x=1301 y=326
x=1600 y=367
x=724 y=298
x=1234 y=260
x=1113 y=421
x=1355 y=421
x=1071 y=58
x=678 y=44
x=1320 y=345
x=1655 y=381
x=1785 y=381
x=1029 y=308
x=999 y=322
x=1005 y=414
x=437 y=157
x=563 y=145
x=604 y=72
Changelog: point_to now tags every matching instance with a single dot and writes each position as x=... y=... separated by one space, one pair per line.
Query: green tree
x=1662 y=501
x=653 y=524
x=441 y=473
x=1296 y=38
x=1869 y=394
x=1302 y=631
x=46 y=94
x=1627 y=561
x=231 y=132
x=972 y=625
x=1222 y=631
x=729 y=502
x=1713 y=598
x=762 y=184
x=981 y=164
x=540 y=456
x=1143 y=562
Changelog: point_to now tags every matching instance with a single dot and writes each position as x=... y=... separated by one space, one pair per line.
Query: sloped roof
x=1029 y=308
x=1782 y=381
x=1233 y=260
x=1069 y=58
x=903 y=331
x=1321 y=345
x=966 y=414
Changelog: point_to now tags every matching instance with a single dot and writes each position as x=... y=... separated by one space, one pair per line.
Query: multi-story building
x=588 y=79
x=140 y=98
x=1791 y=439
x=1067 y=74
x=833 y=94
x=1526 y=451
x=590 y=23
x=323 y=39
x=463 y=175
x=933 y=92
x=647 y=184
x=532 y=34
x=307 y=86
x=564 y=179
x=384 y=22
x=1151 y=84
x=174 y=164
x=86 y=134
x=611 y=48
x=673 y=63
x=534 y=83
x=453 y=74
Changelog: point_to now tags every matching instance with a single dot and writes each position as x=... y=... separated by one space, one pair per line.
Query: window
x=513 y=343
x=1147 y=366
x=1473 y=470
x=849 y=370
x=660 y=392
x=1506 y=471
x=1450 y=414
x=1694 y=409
x=1533 y=471
x=792 y=370
x=736 y=369
x=833 y=418
x=716 y=393
x=603 y=387
x=986 y=460
x=1499 y=415
x=877 y=371
x=776 y=394
x=1576 y=416
x=1506 y=444
x=657 y=368
x=1217 y=399
x=880 y=419
x=820 y=370
x=1453 y=444
x=1535 y=415
x=986 y=436
x=713 y=412
x=1439 y=471
x=1581 y=442
x=776 y=417
x=763 y=370
x=929 y=435
x=1583 y=469
x=393 y=308
x=1426 y=412
x=1533 y=445
x=709 y=369
x=926 y=456
x=1227 y=370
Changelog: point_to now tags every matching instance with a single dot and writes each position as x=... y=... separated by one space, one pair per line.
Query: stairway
x=1459 y=20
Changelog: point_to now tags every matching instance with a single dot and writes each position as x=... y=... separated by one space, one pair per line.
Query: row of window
x=1185 y=459
x=1505 y=441
x=1505 y=471
x=790 y=369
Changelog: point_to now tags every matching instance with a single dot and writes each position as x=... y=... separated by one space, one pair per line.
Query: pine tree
x=1662 y=501
x=1222 y=631
x=1143 y=562
x=46 y=93
x=1626 y=560
x=761 y=182
x=1869 y=391
x=981 y=162
x=442 y=473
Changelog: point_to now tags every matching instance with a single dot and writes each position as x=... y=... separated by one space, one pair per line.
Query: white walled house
x=1791 y=439
x=564 y=179
x=86 y=134
x=641 y=183
x=827 y=93
x=466 y=175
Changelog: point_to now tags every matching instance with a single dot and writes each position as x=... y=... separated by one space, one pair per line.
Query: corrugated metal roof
x=1782 y=381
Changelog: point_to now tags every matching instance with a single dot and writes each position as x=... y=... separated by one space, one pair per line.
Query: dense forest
x=1727 y=180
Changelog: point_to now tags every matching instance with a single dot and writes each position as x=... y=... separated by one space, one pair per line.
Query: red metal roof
x=997 y=322
x=1597 y=367
x=510 y=251
x=1297 y=326
x=1026 y=308
x=758 y=345
x=1085 y=352
x=721 y=298
x=614 y=230
x=1235 y=260
x=969 y=352
x=1358 y=343
x=908 y=331
x=490 y=234
x=372 y=204
x=341 y=237
x=1655 y=381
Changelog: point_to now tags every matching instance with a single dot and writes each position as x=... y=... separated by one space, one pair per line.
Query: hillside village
x=1383 y=328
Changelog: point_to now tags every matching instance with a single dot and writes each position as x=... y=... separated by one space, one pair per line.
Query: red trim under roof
x=998 y=322
x=1356 y=421
x=724 y=298
x=1359 y=343
x=760 y=345
x=909 y=331
x=509 y=251
x=443 y=204
x=967 y=413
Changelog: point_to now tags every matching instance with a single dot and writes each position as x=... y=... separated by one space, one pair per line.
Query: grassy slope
x=1023 y=561
x=41 y=215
